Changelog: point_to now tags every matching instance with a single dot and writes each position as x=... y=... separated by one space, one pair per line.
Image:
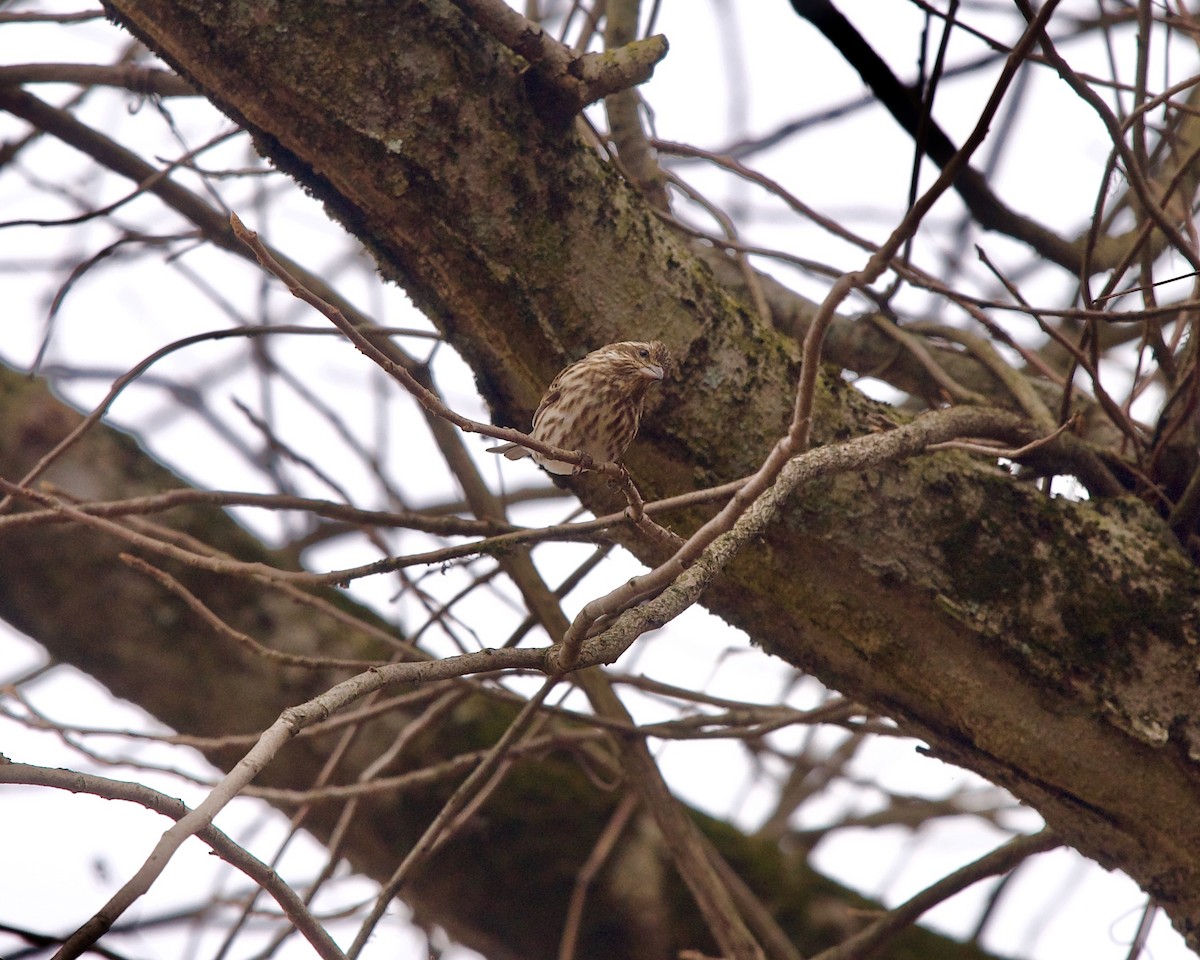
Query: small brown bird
x=595 y=404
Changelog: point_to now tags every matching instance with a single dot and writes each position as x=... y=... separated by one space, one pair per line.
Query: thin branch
x=1112 y=125
x=135 y=77
x=1008 y=453
x=436 y=833
x=623 y=108
x=1018 y=385
x=601 y=851
x=136 y=371
x=221 y=845
x=39 y=16
x=289 y=724
x=906 y=108
x=241 y=639
x=429 y=400
x=1000 y=860
x=454 y=768
x=441 y=523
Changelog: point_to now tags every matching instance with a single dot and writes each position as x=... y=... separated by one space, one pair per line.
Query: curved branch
x=232 y=853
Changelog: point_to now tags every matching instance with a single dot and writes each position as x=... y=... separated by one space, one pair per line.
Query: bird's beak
x=651 y=371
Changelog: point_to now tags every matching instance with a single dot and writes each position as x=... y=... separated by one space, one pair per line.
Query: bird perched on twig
x=595 y=404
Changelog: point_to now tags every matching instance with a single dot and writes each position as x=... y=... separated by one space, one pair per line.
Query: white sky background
x=64 y=855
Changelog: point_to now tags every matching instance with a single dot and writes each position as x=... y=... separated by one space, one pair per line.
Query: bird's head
x=637 y=359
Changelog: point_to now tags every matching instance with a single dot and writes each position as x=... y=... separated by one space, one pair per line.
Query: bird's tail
x=513 y=451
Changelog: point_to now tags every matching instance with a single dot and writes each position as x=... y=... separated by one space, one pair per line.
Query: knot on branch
x=561 y=81
x=612 y=71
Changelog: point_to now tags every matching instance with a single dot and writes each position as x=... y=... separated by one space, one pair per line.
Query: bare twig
x=290 y=723
x=131 y=76
x=601 y=851
x=1007 y=453
x=221 y=845
x=244 y=640
x=575 y=80
x=38 y=16
x=429 y=400
x=1019 y=386
x=123 y=381
x=434 y=521
x=689 y=849
x=1000 y=860
x=436 y=833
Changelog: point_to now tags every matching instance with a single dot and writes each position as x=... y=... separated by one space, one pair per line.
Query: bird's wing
x=551 y=397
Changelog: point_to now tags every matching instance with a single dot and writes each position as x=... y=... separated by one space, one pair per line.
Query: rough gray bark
x=1049 y=646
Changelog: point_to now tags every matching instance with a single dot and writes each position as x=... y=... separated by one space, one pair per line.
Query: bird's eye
x=644 y=353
